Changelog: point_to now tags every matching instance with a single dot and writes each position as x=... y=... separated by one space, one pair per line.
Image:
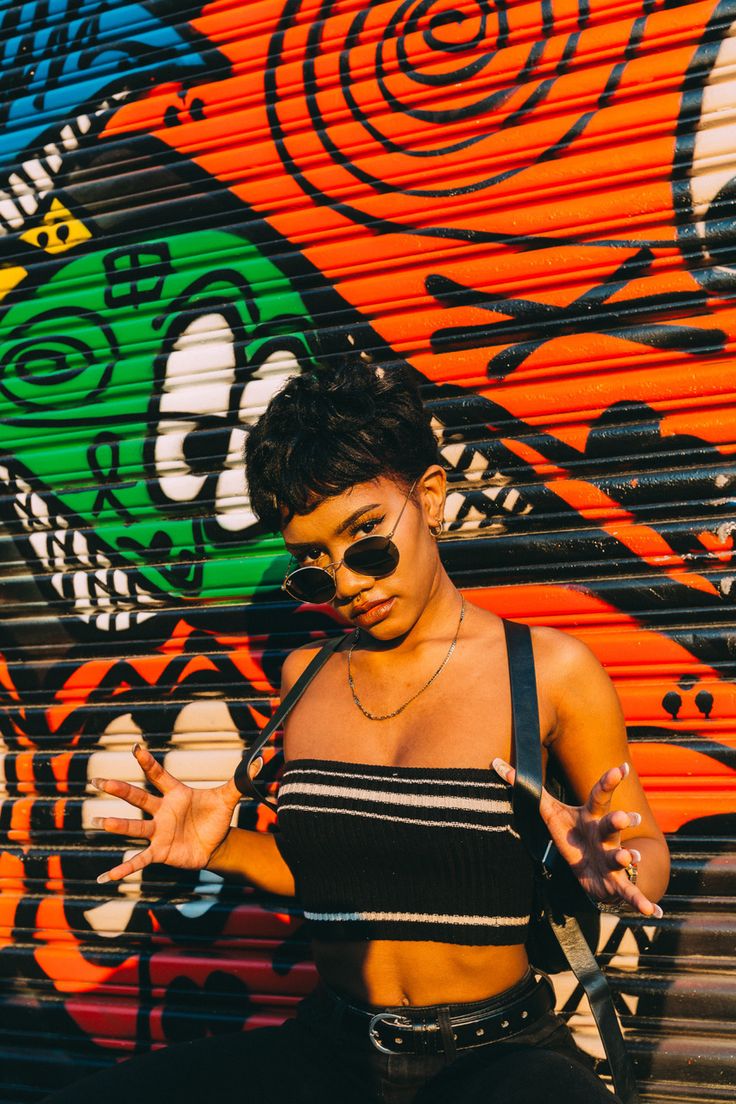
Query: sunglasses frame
x=331 y=574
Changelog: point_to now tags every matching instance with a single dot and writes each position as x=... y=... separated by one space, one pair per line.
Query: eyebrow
x=340 y=529
x=354 y=517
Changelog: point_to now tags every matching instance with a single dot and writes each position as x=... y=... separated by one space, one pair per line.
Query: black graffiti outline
x=592 y=312
x=382 y=225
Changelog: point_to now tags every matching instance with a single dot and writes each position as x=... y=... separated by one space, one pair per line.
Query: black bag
x=565 y=914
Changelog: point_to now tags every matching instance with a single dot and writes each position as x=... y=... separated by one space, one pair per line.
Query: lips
x=373 y=612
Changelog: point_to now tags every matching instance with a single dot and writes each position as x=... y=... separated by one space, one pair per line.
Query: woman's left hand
x=589 y=838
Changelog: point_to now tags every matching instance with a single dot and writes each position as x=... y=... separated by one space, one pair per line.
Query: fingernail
x=657 y=914
x=501 y=767
x=635 y=855
x=103 y=878
x=634 y=819
x=96 y=782
x=625 y=768
x=96 y=822
x=137 y=748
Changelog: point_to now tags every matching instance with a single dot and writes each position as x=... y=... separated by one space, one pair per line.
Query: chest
x=462 y=718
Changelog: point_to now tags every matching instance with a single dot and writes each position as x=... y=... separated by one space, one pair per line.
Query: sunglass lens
x=376 y=556
x=310 y=584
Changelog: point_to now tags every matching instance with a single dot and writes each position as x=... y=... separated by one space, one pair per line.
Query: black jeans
x=313 y=1060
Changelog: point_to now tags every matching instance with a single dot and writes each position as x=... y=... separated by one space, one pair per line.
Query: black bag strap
x=526 y=798
x=242 y=777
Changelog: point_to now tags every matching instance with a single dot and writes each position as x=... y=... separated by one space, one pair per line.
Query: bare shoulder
x=572 y=676
x=297 y=662
x=561 y=655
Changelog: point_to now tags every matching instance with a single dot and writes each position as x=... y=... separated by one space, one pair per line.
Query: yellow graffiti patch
x=57 y=231
x=10 y=277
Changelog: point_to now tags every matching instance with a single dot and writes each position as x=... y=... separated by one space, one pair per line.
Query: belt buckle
x=397 y=1022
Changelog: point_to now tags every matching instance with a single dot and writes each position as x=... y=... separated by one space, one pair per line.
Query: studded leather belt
x=428 y=1030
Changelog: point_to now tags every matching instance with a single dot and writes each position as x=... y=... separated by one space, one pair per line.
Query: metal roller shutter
x=533 y=205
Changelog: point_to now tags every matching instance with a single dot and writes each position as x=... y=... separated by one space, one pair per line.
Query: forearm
x=254 y=857
x=654 y=868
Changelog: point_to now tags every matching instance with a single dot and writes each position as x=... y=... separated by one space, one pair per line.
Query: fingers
x=613 y=823
x=134 y=795
x=143 y=858
x=153 y=771
x=599 y=801
x=636 y=900
x=141 y=829
x=505 y=770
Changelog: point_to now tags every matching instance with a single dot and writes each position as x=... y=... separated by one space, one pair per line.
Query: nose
x=348 y=584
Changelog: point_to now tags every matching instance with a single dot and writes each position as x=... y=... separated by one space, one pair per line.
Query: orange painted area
x=60 y=767
x=12 y=887
x=494 y=207
x=62 y=959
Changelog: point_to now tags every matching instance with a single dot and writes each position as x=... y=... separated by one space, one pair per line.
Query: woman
x=395 y=823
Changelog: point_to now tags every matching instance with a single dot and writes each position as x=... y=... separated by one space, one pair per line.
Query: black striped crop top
x=404 y=853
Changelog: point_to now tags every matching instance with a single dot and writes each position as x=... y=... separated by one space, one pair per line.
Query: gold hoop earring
x=436 y=529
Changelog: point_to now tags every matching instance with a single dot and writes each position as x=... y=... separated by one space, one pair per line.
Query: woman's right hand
x=186 y=826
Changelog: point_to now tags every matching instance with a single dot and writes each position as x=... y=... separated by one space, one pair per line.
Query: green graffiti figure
x=128 y=381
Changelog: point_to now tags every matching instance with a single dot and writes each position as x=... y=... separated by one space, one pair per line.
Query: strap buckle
x=398 y=1023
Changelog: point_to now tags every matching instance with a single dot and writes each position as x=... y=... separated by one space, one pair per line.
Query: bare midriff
x=394 y=972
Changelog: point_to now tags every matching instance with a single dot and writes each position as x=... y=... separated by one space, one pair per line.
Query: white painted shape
x=107 y=807
x=38 y=543
x=40 y=510
x=53 y=157
x=208 y=766
x=121 y=732
x=204 y=715
x=10 y=213
x=111 y=918
x=705 y=186
x=169 y=447
x=35 y=170
x=23 y=194
x=182 y=488
x=202 y=398
x=195 y=907
x=80 y=585
x=68 y=138
x=114 y=764
x=454 y=502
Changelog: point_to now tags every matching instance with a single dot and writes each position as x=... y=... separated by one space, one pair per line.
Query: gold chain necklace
x=394 y=713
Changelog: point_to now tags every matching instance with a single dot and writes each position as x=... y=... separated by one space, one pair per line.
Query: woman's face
x=387 y=607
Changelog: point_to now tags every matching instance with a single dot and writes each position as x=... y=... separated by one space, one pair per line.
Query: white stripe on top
x=411 y=800
x=291 y=768
x=400 y=819
x=423 y=918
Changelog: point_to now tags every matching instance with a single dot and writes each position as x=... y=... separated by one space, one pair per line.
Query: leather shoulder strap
x=526 y=737
x=242 y=776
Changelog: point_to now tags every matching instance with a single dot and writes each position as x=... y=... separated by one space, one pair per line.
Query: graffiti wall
x=532 y=204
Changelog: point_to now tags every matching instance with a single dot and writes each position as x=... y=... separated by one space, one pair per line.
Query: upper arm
x=589 y=735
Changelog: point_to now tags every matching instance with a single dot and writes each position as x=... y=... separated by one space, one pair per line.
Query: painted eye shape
x=62 y=355
x=198 y=448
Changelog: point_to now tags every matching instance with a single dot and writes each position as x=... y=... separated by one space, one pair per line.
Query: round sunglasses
x=374 y=556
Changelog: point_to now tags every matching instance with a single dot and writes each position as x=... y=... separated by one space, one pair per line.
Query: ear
x=431 y=489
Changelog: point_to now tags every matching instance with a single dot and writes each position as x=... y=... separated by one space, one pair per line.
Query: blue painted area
x=60 y=57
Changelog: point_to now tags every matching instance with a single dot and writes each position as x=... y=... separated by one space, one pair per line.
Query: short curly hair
x=331 y=428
